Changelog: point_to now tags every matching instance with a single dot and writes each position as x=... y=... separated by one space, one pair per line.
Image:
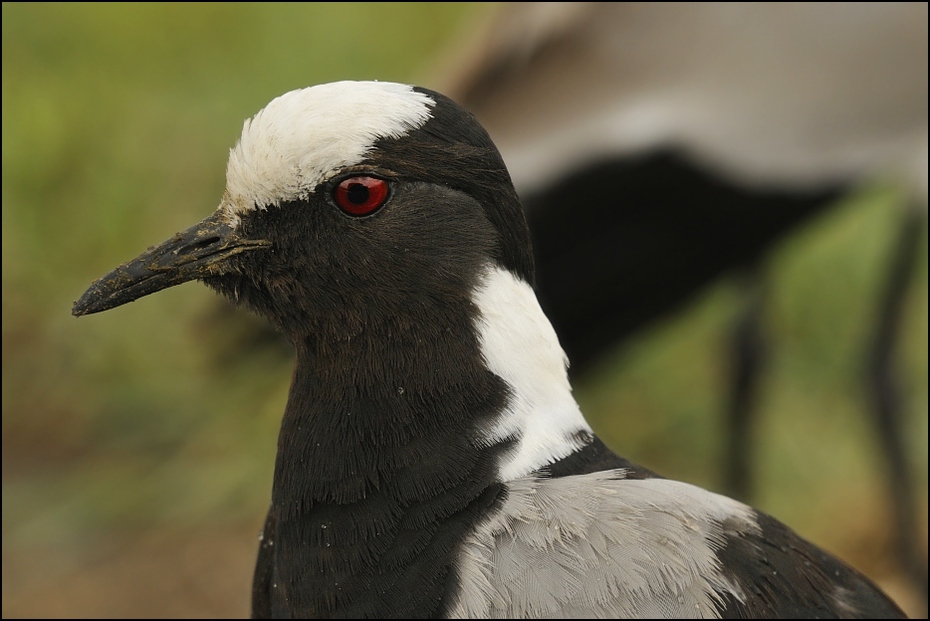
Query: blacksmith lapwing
x=432 y=460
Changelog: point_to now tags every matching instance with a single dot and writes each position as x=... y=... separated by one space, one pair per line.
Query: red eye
x=361 y=196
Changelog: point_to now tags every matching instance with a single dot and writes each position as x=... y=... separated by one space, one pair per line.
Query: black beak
x=194 y=254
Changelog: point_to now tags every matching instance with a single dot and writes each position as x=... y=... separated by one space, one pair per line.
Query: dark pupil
x=357 y=193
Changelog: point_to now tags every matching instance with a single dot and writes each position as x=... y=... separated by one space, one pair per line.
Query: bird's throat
x=372 y=466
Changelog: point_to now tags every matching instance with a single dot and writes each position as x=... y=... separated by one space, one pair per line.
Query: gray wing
x=598 y=545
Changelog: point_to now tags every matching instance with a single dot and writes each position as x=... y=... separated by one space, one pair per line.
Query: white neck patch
x=303 y=137
x=520 y=346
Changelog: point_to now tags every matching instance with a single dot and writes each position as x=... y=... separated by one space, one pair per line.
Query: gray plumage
x=599 y=545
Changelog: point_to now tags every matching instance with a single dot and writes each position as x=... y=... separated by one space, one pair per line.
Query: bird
x=432 y=461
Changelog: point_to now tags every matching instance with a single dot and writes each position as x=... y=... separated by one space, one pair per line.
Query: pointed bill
x=199 y=252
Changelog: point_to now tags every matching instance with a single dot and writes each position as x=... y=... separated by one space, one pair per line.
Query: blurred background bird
x=136 y=474
x=660 y=146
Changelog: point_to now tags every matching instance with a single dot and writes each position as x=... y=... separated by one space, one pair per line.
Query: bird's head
x=344 y=201
x=376 y=226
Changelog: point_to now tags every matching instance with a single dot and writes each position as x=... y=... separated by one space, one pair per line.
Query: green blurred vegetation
x=117 y=120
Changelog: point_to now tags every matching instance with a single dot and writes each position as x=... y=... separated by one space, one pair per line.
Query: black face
x=329 y=269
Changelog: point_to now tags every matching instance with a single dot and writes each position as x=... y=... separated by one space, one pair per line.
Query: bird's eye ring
x=361 y=195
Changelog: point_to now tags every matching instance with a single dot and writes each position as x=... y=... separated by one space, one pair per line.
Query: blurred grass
x=138 y=448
